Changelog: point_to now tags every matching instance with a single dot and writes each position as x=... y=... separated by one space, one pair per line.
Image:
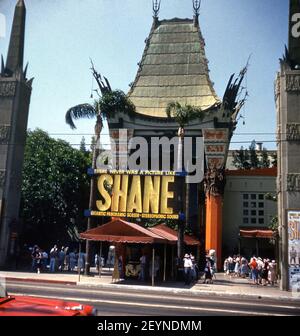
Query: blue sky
x=61 y=36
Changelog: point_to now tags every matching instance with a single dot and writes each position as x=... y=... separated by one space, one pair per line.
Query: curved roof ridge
x=181 y=40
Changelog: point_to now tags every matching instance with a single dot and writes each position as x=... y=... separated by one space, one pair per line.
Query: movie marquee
x=137 y=194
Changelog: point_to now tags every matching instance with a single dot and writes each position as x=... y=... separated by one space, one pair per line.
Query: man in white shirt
x=187 y=264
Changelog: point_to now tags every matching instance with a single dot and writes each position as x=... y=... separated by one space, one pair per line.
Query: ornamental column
x=287 y=98
x=214 y=182
x=216 y=147
x=15 y=92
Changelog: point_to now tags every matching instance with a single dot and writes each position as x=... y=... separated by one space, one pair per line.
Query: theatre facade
x=174 y=68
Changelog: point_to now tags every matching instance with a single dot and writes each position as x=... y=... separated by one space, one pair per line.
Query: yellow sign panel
x=146 y=196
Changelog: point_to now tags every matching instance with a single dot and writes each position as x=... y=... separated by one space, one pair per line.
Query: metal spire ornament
x=196 y=6
x=156 y=7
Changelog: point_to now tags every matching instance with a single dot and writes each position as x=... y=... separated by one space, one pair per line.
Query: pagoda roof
x=173 y=68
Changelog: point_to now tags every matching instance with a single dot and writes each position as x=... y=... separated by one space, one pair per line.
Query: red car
x=34 y=306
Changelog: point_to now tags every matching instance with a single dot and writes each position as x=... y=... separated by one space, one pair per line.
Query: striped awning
x=257 y=233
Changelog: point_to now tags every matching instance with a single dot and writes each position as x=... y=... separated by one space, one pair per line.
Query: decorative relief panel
x=8 y=89
x=278 y=134
x=215 y=143
x=214 y=182
x=292 y=82
x=215 y=135
x=293 y=132
x=277 y=87
x=293 y=182
x=4 y=134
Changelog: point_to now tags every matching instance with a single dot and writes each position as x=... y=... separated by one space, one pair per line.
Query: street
x=127 y=302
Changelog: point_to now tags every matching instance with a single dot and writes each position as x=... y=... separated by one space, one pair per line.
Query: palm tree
x=182 y=115
x=110 y=102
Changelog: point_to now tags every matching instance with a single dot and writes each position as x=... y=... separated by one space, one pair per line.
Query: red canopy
x=257 y=233
x=120 y=231
x=171 y=235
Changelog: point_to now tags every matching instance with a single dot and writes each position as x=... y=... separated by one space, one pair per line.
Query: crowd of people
x=260 y=271
x=60 y=259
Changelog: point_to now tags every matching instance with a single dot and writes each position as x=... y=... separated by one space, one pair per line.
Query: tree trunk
x=92 y=199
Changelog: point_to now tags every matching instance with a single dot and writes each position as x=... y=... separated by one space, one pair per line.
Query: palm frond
x=171 y=107
x=113 y=102
x=78 y=112
x=183 y=114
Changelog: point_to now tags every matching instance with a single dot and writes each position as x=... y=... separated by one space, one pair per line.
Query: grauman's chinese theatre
x=174 y=68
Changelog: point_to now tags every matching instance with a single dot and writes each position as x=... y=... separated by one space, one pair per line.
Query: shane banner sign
x=294 y=249
x=134 y=194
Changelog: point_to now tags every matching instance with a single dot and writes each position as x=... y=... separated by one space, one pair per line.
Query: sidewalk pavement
x=223 y=285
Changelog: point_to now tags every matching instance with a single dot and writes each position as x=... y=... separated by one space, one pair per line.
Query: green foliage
x=183 y=114
x=274 y=159
x=150 y=222
x=249 y=158
x=55 y=188
x=254 y=162
x=273 y=225
x=271 y=197
x=114 y=102
x=241 y=159
x=78 y=112
x=82 y=147
x=93 y=143
x=265 y=161
x=109 y=104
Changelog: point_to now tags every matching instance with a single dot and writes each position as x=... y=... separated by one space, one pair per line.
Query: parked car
x=34 y=306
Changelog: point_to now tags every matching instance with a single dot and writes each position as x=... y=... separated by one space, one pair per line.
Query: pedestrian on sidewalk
x=97 y=262
x=187 y=265
x=72 y=258
x=193 y=269
x=33 y=253
x=260 y=265
x=244 y=268
x=237 y=269
x=116 y=276
x=53 y=258
x=230 y=265
x=67 y=259
x=254 y=270
x=208 y=274
x=120 y=267
x=37 y=255
x=44 y=260
x=264 y=273
x=272 y=272
x=81 y=261
x=61 y=258
x=225 y=266
x=111 y=257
